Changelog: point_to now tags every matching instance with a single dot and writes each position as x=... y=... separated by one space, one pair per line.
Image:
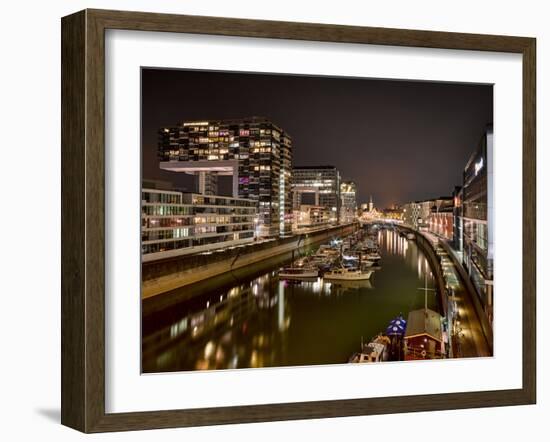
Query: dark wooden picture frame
x=83 y=220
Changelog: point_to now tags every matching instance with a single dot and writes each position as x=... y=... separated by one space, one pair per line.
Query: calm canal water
x=264 y=322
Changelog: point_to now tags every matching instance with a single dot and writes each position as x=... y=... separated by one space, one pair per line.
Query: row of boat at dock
x=422 y=335
x=387 y=346
x=352 y=259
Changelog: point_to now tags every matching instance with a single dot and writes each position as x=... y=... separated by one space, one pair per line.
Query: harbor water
x=262 y=321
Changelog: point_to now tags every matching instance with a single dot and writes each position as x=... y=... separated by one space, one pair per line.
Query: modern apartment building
x=255 y=151
x=175 y=223
x=412 y=214
x=322 y=184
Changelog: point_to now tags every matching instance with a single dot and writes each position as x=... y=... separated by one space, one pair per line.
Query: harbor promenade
x=467 y=335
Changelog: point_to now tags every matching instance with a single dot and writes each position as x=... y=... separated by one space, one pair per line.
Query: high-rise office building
x=319 y=183
x=255 y=151
x=348 y=207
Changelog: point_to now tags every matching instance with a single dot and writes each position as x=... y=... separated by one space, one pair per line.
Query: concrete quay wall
x=168 y=274
x=429 y=251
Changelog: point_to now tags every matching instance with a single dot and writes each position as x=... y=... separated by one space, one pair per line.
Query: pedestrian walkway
x=467 y=337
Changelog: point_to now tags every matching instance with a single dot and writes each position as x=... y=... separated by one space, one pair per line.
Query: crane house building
x=254 y=151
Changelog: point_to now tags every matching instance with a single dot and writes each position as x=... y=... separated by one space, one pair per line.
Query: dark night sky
x=398 y=140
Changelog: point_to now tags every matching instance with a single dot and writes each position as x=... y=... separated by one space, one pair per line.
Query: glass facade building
x=477 y=220
x=175 y=223
x=321 y=182
x=255 y=151
x=348 y=207
x=457 y=219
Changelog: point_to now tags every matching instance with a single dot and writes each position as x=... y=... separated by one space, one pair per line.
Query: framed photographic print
x=271 y=220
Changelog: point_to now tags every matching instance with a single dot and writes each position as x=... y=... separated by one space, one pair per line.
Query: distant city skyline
x=399 y=141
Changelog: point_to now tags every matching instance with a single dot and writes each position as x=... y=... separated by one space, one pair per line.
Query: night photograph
x=292 y=220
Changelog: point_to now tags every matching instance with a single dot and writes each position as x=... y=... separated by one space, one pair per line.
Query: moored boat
x=374 y=257
x=365 y=261
x=347 y=274
x=375 y=351
x=298 y=273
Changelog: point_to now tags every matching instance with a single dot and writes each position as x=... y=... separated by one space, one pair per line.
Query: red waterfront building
x=424 y=336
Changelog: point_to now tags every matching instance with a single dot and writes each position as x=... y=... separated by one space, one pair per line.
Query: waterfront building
x=423 y=336
x=457 y=219
x=477 y=220
x=309 y=216
x=321 y=184
x=441 y=219
x=175 y=223
x=425 y=209
x=254 y=151
x=348 y=205
x=412 y=214
x=417 y=214
x=393 y=213
x=370 y=213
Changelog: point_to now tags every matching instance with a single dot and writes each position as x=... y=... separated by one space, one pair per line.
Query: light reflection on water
x=263 y=322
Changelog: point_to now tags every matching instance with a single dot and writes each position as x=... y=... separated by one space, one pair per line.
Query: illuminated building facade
x=418 y=214
x=458 y=243
x=254 y=151
x=320 y=182
x=412 y=214
x=477 y=220
x=175 y=223
x=441 y=219
x=309 y=216
x=348 y=207
x=393 y=213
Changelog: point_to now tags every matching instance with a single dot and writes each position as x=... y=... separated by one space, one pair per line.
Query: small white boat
x=298 y=273
x=318 y=259
x=365 y=262
x=373 y=257
x=375 y=351
x=343 y=274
